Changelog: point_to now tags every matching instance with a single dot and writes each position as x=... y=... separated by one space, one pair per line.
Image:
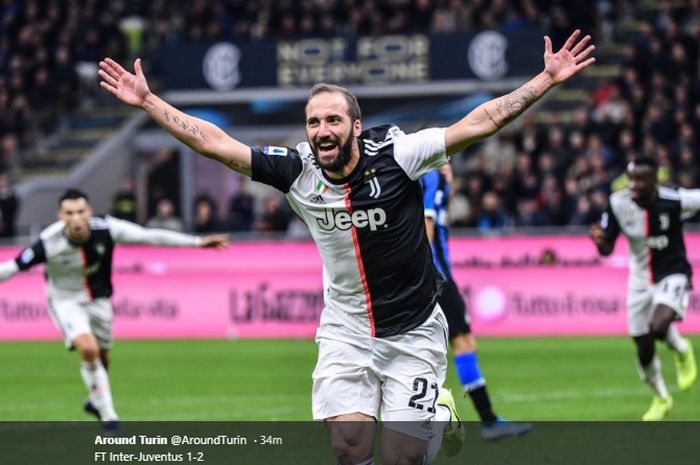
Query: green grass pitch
x=533 y=379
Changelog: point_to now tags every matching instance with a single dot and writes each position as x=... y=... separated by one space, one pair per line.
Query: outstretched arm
x=128 y=232
x=491 y=116
x=599 y=238
x=201 y=136
x=27 y=258
x=8 y=269
x=604 y=234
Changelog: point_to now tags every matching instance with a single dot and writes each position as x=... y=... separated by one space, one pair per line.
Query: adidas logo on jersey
x=341 y=219
x=318 y=200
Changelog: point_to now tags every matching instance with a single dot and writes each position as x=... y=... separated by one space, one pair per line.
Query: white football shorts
x=672 y=291
x=396 y=378
x=74 y=319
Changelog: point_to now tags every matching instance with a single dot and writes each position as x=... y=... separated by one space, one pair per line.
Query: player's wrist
x=149 y=101
x=545 y=81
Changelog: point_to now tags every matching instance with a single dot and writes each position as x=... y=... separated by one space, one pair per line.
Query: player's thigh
x=639 y=310
x=673 y=291
x=452 y=304
x=412 y=367
x=343 y=380
x=101 y=317
x=70 y=318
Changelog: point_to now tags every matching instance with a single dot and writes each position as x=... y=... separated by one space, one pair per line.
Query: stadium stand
x=556 y=169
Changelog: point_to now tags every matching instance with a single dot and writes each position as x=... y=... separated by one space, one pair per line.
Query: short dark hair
x=73 y=194
x=644 y=160
x=353 y=107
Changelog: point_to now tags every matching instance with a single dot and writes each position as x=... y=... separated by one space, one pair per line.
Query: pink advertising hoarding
x=258 y=290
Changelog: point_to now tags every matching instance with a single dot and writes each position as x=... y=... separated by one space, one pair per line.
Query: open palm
x=570 y=59
x=130 y=88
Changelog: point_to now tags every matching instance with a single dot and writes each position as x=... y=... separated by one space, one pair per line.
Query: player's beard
x=340 y=161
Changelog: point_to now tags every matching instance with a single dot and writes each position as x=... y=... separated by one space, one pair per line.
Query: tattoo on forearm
x=511 y=105
x=491 y=118
x=185 y=125
x=235 y=166
x=197 y=132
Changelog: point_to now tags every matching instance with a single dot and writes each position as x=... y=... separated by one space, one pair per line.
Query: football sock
x=467 y=366
x=651 y=374
x=675 y=341
x=482 y=404
x=97 y=383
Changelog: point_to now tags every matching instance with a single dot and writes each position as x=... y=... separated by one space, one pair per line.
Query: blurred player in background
x=437 y=188
x=77 y=251
x=382 y=337
x=652 y=217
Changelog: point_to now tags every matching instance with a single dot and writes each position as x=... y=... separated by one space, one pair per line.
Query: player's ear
x=357 y=127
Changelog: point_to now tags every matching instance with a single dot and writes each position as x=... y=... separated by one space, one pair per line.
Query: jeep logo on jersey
x=340 y=219
x=657 y=242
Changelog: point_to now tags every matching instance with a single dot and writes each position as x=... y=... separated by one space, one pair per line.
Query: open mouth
x=325 y=148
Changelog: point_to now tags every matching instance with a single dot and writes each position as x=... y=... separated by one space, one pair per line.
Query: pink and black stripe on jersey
x=396 y=263
x=370 y=231
x=655 y=233
x=87 y=265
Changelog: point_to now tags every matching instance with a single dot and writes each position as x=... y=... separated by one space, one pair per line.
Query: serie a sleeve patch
x=275 y=150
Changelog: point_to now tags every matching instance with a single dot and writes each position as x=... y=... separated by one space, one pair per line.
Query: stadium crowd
x=554 y=174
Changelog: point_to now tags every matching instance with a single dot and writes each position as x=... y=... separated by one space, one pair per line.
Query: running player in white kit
x=382 y=338
x=77 y=251
x=651 y=217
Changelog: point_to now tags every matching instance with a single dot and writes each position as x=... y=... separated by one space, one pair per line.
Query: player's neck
x=77 y=240
x=648 y=201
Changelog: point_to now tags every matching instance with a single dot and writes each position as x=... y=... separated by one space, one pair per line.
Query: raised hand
x=570 y=59
x=131 y=89
x=597 y=234
x=216 y=241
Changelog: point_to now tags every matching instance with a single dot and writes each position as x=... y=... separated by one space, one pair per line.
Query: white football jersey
x=655 y=234
x=378 y=274
x=83 y=272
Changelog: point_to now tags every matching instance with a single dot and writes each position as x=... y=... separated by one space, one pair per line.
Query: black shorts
x=455 y=310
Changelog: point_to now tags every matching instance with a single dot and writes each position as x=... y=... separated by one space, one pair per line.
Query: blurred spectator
x=165 y=217
x=124 y=201
x=205 y=216
x=585 y=213
x=275 y=218
x=492 y=217
x=241 y=215
x=529 y=214
x=8 y=152
x=8 y=207
x=65 y=79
